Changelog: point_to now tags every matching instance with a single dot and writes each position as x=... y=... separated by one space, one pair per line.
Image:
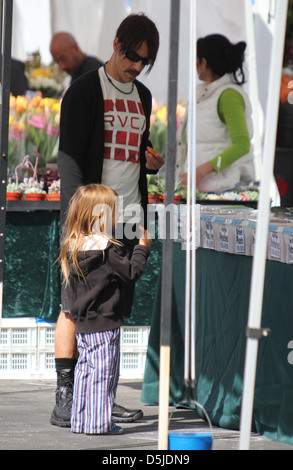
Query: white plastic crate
x=18 y=333
x=23 y=344
x=27 y=349
x=133 y=349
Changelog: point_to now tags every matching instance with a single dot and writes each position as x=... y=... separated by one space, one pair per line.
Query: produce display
x=232 y=229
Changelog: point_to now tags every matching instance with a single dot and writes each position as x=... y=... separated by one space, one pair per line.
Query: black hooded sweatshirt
x=97 y=302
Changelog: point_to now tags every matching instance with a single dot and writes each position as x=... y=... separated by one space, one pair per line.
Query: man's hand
x=154 y=161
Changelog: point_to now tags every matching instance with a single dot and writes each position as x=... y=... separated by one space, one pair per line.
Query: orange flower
x=21 y=105
x=36 y=100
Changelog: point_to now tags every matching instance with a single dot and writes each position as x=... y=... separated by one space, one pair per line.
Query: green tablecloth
x=223 y=286
x=31 y=276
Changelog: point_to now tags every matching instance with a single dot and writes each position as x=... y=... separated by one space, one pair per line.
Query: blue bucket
x=190 y=441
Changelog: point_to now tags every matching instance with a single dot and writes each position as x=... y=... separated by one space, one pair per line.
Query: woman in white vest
x=223 y=119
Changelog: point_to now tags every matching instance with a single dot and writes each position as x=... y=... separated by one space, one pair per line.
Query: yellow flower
x=42 y=72
x=12 y=101
x=56 y=107
x=162 y=114
x=21 y=126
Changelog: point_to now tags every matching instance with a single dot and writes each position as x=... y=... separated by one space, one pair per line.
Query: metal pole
x=253 y=89
x=254 y=331
x=6 y=11
x=167 y=254
x=192 y=287
x=190 y=274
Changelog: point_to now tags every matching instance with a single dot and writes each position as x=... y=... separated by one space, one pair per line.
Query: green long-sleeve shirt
x=231 y=110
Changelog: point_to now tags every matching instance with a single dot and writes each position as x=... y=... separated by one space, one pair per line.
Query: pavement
x=26 y=405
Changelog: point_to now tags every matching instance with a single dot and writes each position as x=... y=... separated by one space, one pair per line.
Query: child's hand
x=145 y=239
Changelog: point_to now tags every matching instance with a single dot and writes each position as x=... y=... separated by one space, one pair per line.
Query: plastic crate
x=133 y=349
x=27 y=349
x=23 y=343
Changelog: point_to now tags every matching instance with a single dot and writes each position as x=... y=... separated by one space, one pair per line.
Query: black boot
x=61 y=414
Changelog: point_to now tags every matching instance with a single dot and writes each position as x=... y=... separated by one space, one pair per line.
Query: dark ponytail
x=222 y=56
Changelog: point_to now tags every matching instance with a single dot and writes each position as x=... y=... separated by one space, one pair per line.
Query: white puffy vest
x=213 y=137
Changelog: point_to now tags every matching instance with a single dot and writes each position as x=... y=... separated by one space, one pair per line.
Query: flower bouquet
x=33 y=127
x=43 y=117
x=158 y=127
x=17 y=130
x=46 y=79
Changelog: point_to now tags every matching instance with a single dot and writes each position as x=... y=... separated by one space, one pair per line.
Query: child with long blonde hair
x=96 y=274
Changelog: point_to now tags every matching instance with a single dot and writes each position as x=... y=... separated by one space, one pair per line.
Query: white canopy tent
x=94 y=22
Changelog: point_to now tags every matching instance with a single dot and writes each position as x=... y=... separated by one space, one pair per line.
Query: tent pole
x=254 y=331
x=6 y=30
x=167 y=255
x=190 y=270
x=253 y=88
x=194 y=227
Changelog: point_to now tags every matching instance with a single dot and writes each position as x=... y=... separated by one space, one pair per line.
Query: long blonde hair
x=91 y=211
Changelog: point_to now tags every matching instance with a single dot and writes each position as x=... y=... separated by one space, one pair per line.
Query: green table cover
x=31 y=285
x=222 y=302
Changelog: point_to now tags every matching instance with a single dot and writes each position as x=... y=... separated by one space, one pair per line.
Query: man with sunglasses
x=104 y=131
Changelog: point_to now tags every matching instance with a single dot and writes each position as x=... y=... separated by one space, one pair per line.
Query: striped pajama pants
x=95 y=381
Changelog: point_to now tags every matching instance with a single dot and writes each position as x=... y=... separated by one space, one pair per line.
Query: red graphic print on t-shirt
x=124 y=126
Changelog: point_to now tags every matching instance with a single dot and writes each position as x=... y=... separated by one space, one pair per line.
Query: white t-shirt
x=125 y=124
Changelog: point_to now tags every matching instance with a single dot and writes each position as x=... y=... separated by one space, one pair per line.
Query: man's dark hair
x=134 y=30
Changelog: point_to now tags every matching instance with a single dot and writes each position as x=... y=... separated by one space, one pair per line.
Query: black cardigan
x=98 y=303
x=81 y=145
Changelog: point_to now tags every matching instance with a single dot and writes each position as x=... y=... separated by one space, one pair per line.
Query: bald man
x=68 y=55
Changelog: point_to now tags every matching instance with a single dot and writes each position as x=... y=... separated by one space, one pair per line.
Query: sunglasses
x=134 y=57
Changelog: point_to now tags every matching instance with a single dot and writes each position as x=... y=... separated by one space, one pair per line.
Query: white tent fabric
x=31 y=28
x=94 y=22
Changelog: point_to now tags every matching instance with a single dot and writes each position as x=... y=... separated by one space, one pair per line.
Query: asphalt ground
x=25 y=409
